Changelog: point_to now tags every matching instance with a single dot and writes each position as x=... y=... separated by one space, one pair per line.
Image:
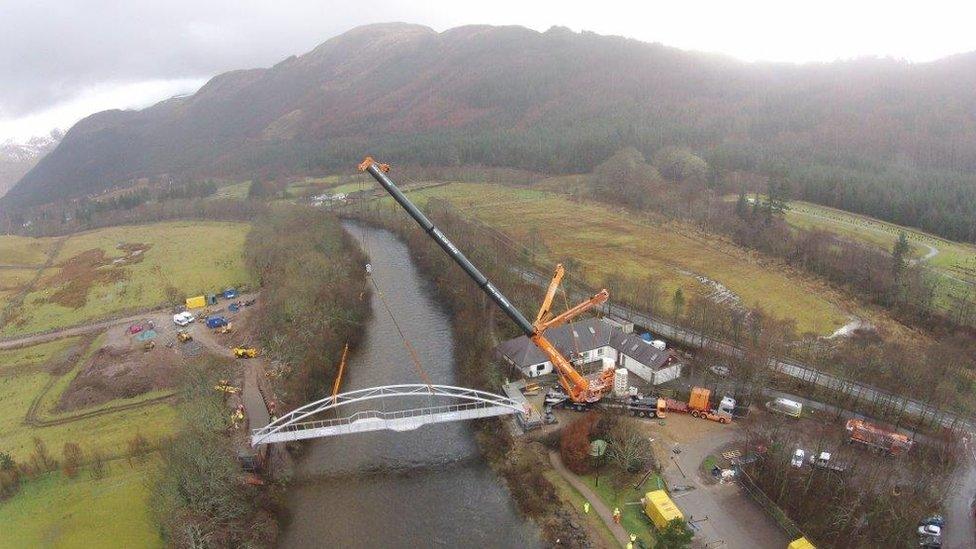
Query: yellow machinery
x=660 y=509
x=183 y=336
x=245 y=352
x=224 y=386
x=802 y=543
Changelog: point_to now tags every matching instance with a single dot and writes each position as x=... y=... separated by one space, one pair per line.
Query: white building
x=590 y=344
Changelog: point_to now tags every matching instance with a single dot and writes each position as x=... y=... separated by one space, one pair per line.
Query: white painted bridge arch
x=444 y=403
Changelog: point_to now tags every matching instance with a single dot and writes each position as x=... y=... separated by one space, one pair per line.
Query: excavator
x=581 y=390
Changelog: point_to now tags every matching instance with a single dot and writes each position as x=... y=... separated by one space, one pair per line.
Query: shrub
x=73 y=457
x=574 y=446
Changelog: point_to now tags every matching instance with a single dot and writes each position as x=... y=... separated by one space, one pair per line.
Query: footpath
x=596 y=504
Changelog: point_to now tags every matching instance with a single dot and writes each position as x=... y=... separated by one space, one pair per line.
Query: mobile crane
x=579 y=388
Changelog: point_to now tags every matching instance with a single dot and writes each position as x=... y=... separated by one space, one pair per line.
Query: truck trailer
x=877 y=437
x=699 y=405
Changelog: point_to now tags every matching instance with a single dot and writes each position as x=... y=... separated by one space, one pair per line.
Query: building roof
x=636 y=348
x=580 y=337
x=569 y=339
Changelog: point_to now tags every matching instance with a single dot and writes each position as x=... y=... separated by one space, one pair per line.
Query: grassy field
x=953 y=262
x=24 y=251
x=571 y=497
x=632 y=517
x=25 y=377
x=107 y=271
x=606 y=241
x=956 y=257
x=233 y=191
x=55 y=511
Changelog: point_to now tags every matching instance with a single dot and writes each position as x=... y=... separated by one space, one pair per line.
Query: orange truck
x=699 y=405
x=877 y=437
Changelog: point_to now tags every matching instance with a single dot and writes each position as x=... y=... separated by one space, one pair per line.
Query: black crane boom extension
x=494 y=293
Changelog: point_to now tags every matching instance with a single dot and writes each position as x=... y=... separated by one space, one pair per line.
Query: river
x=425 y=488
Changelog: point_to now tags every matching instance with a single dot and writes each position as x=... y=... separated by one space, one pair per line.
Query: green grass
x=954 y=266
x=233 y=191
x=12 y=360
x=572 y=497
x=55 y=511
x=632 y=517
x=22 y=250
x=956 y=257
x=352 y=187
x=607 y=241
x=193 y=257
x=21 y=384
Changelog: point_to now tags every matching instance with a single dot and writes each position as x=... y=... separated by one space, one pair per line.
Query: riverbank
x=429 y=486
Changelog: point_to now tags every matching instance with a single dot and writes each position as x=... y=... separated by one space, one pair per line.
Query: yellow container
x=196 y=302
x=660 y=509
x=801 y=543
x=699 y=398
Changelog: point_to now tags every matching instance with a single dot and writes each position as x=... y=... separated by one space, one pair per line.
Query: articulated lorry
x=699 y=405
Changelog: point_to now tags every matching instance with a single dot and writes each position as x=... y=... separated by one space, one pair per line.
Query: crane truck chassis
x=634 y=405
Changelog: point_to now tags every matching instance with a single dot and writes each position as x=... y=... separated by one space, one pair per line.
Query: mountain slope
x=556 y=101
x=16 y=159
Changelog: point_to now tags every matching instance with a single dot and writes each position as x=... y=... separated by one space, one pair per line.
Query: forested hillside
x=882 y=137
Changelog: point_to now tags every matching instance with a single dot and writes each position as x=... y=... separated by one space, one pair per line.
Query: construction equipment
x=800 y=543
x=579 y=388
x=245 y=352
x=342 y=369
x=216 y=321
x=224 y=386
x=699 y=405
x=226 y=328
x=183 y=336
x=148 y=346
x=876 y=437
x=660 y=509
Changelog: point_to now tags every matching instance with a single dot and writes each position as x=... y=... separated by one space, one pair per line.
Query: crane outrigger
x=579 y=388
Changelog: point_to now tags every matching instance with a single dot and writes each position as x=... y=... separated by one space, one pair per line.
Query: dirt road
x=162 y=315
x=721 y=514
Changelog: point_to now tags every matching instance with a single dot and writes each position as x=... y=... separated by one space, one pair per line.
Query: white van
x=785 y=406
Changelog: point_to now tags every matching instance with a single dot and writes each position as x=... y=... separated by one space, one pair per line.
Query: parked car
x=216 y=321
x=135 y=328
x=798 y=457
x=183 y=319
x=929 y=530
x=720 y=370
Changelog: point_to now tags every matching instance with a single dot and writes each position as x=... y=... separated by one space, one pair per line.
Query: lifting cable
x=406 y=343
x=369 y=279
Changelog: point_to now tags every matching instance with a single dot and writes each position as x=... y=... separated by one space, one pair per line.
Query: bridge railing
x=473 y=399
x=383 y=415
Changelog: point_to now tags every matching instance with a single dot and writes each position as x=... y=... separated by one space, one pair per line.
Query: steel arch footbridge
x=427 y=404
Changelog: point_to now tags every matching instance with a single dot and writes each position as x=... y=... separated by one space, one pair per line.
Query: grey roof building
x=592 y=340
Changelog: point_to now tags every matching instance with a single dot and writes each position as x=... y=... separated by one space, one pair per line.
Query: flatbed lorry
x=699 y=405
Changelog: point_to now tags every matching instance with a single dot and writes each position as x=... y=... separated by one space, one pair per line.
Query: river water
x=423 y=488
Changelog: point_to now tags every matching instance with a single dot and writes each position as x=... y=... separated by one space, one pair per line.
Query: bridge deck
x=375 y=420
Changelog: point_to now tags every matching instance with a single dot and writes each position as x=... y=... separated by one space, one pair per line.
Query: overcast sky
x=61 y=60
